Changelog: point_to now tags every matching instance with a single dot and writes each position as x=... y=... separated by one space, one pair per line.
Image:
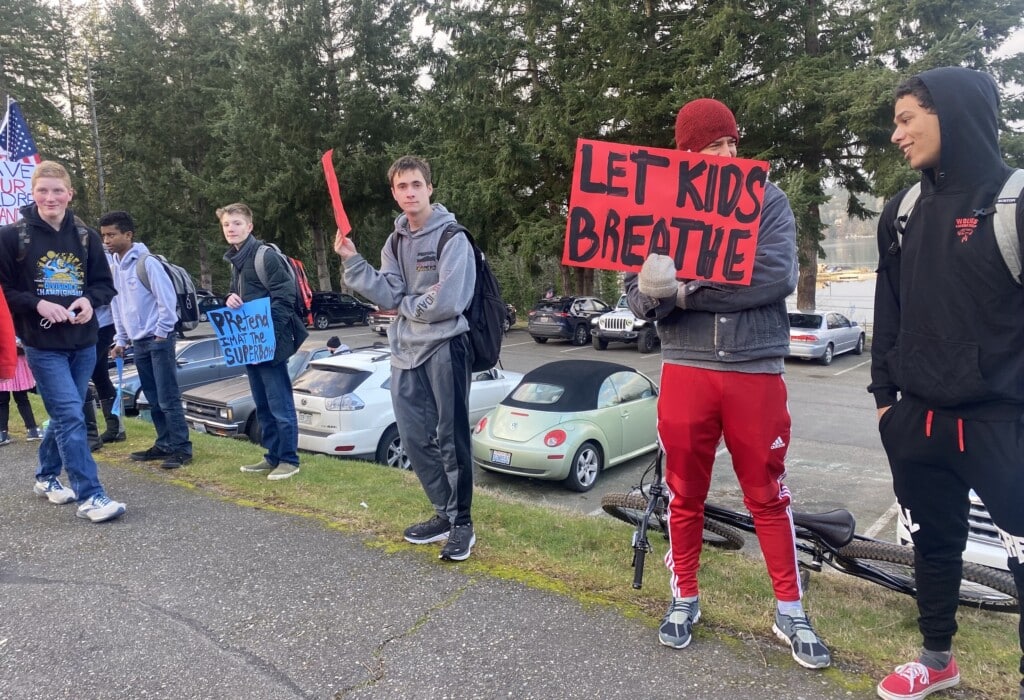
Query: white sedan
x=343 y=403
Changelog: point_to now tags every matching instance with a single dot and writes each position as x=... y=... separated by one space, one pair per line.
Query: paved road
x=188 y=596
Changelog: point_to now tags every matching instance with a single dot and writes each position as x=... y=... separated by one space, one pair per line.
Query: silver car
x=821 y=335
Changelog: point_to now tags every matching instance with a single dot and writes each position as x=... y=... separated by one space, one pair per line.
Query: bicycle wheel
x=981 y=586
x=630 y=508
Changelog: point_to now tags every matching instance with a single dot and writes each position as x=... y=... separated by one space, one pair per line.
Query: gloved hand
x=658 y=277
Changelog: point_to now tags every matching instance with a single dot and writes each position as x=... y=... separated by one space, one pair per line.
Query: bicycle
x=821 y=539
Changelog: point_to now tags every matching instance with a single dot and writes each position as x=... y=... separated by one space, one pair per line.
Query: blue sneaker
x=100 y=508
x=54 y=491
x=676 y=629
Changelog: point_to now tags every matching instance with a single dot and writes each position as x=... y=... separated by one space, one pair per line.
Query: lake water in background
x=854 y=299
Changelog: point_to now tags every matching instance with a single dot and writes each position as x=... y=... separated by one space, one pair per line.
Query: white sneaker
x=53 y=490
x=100 y=508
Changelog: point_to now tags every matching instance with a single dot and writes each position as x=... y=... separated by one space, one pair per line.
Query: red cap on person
x=703 y=121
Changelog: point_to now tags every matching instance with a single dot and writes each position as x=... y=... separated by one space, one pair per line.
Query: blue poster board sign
x=246 y=334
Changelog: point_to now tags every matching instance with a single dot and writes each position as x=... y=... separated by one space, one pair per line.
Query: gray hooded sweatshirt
x=429 y=294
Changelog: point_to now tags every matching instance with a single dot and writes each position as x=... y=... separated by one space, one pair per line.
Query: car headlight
x=225 y=413
x=345 y=402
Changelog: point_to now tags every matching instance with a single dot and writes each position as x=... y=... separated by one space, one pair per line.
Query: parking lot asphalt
x=189 y=596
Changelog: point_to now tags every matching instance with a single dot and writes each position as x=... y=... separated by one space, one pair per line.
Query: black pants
x=101 y=374
x=24 y=408
x=936 y=458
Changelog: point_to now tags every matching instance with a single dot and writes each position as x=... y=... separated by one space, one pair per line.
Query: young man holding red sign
x=723 y=348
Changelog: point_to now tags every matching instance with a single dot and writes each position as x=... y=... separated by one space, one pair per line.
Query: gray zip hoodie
x=429 y=294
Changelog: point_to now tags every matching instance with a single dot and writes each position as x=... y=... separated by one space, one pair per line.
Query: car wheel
x=580 y=335
x=202 y=316
x=389 y=450
x=859 y=348
x=505 y=325
x=254 y=430
x=321 y=322
x=540 y=340
x=645 y=341
x=826 y=359
x=585 y=468
x=598 y=343
x=365 y=320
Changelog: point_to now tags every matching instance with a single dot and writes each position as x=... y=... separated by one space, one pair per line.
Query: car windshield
x=805 y=320
x=623 y=302
x=543 y=394
x=330 y=381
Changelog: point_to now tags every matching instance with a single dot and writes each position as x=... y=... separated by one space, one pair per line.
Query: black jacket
x=55 y=268
x=289 y=330
x=949 y=318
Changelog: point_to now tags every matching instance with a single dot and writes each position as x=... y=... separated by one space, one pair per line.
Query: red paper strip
x=340 y=217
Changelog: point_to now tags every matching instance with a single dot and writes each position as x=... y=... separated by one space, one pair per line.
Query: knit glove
x=658 y=277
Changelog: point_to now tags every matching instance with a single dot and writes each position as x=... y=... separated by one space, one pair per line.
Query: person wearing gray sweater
x=430 y=285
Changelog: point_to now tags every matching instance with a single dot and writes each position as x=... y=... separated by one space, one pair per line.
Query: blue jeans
x=62 y=377
x=275 y=409
x=158 y=375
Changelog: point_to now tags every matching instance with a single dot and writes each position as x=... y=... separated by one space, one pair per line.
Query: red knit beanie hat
x=702 y=121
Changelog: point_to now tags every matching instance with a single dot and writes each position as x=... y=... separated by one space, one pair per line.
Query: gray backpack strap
x=906 y=207
x=1008 y=238
x=22 y=240
x=261 y=264
x=140 y=270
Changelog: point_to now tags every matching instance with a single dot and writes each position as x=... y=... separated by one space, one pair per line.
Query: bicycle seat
x=835 y=528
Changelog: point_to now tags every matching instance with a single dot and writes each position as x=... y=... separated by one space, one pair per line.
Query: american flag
x=15 y=138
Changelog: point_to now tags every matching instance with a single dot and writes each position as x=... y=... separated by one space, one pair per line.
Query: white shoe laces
x=914 y=672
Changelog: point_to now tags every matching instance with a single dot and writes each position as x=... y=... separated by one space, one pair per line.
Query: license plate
x=304 y=418
x=499 y=457
x=544 y=319
x=199 y=427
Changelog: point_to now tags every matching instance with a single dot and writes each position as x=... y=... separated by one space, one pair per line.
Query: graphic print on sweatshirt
x=426 y=261
x=965 y=226
x=59 y=275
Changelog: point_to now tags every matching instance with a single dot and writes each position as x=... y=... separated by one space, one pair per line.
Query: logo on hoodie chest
x=965 y=227
x=426 y=261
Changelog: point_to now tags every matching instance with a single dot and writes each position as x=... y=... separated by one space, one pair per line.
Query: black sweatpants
x=936 y=458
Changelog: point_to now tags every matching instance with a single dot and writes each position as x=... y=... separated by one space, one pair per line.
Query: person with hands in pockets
x=723 y=349
x=54 y=272
x=146 y=317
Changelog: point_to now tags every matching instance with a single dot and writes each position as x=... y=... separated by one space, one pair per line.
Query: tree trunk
x=323 y=272
x=807 y=253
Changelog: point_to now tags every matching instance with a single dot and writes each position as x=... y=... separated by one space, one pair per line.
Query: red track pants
x=695 y=409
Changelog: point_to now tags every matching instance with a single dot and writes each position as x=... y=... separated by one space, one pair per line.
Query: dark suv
x=335 y=307
x=567 y=318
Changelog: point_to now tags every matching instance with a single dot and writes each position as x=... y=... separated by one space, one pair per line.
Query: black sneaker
x=433 y=530
x=460 y=543
x=149 y=455
x=176 y=460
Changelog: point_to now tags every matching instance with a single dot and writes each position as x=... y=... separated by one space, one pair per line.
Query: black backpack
x=486 y=310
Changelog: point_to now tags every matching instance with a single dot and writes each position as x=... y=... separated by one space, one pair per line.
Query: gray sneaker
x=460 y=543
x=283 y=471
x=55 y=492
x=808 y=649
x=260 y=468
x=676 y=629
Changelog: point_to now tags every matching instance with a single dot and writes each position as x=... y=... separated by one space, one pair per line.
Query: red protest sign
x=628 y=202
x=340 y=217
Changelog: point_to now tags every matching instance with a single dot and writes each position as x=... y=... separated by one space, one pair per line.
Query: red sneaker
x=914 y=681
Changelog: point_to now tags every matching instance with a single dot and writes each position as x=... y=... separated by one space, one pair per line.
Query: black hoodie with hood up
x=949 y=317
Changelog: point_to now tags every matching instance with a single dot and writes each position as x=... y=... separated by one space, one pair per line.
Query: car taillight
x=554 y=438
x=480 y=425
x=804 y=338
